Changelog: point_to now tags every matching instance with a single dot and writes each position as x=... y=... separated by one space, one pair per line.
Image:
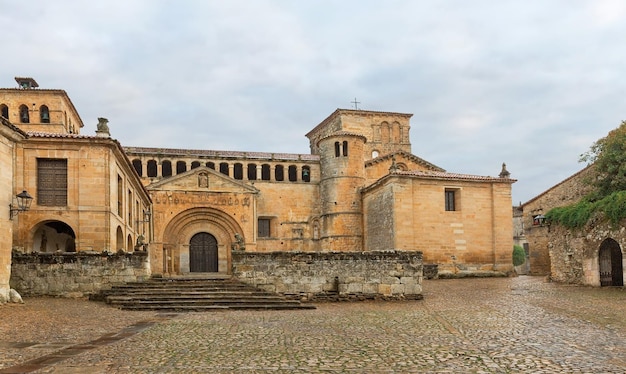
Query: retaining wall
x=318 y=276
x=75 y=274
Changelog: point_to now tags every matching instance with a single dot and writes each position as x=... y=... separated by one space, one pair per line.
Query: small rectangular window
x=451 y=200
x=264 y=228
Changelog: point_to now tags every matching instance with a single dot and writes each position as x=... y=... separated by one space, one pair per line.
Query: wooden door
x=203 y=253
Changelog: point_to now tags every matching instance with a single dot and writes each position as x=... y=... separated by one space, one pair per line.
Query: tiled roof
x=217 y=153
x=453 y=176
x=342 y=133
x=39 y=134
x=8 y=124
x=410 y=156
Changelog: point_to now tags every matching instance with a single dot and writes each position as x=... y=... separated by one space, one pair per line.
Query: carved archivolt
x=188 y=223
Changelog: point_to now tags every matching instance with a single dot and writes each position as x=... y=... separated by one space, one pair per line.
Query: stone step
x=201 y=308
x=194 y=294
x=136 y=301
x=193 y=298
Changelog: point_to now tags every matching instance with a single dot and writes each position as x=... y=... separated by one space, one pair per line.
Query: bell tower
x=342 y=176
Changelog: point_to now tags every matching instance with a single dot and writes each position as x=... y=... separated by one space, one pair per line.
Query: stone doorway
x=611 y=269
x=54 y=236
x=203 y=253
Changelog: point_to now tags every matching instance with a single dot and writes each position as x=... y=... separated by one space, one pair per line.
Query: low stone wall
x=333 y=276
x=75 y=274
x=431 y=271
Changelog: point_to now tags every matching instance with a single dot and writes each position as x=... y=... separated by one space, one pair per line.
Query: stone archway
x=52 y=236
x=119 y=240
x=178 y=234
x=610 y=263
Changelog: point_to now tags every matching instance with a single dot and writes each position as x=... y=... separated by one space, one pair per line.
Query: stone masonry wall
x=75 y=274
x=322 y=276
x=568 y=191
x=574 y=253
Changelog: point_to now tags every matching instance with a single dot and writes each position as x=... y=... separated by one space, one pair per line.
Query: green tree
x=608 y=155
x=519 y=255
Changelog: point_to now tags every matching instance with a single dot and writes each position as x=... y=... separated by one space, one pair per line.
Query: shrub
x=519 y=255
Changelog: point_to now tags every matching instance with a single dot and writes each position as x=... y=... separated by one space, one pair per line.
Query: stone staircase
x=195 y=293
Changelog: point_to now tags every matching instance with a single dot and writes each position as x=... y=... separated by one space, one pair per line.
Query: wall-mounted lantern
x=146 y=215
x=23 y=204
x=539 y=220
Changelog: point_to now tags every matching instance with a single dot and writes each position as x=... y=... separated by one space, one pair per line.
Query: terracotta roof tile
x=217 y=153
x=39 y=134
x=456 y=176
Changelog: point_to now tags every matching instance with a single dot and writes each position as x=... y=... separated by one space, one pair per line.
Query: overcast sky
x=530 y=83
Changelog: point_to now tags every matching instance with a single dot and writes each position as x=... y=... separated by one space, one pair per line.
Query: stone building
x=359 y=189
x=86 y=194
x=9 y=137
x=592 y=255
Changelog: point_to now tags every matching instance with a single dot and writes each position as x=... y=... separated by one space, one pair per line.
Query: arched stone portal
x=179 y=232
x=52 y=236
x=610 y=261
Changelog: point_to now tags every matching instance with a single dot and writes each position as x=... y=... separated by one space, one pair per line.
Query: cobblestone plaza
x=496 y=325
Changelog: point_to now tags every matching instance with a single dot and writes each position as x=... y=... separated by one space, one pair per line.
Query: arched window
x=345 y=148
x=316 y=230
x=224 y=168
x=181 y=167
x=279 y=173
x=238 y=171
x=292 y=173
x=138 y=167
x=195 y=164
x=4 y=111
x=166 y=169
x=337 y=149
x=251 y=172
x=44 y=114
x=210 y=165
x=24 y=116
x=306 y=174
x=152 y=169
x=265 y=172
x=119 y=239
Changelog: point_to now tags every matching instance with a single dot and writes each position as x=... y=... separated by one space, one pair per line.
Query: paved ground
x=509 y=325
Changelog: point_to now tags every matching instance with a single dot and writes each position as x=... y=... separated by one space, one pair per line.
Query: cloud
x=486 y=81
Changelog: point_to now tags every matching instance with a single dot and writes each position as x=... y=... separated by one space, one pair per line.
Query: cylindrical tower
x=342 y=176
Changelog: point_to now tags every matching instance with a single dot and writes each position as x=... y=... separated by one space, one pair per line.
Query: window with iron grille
x=264 y=228
x=451 y=204
x=51 y=182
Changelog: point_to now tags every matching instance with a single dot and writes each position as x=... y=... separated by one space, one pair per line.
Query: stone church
x=359 y=188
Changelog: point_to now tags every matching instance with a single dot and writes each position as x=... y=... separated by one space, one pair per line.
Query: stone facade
x=359 y=190
x=103 y=204
x=328 y=201
x=538 y=234
x=333 y=275
x=403 y=211
x=574 y=256
x=9 y=136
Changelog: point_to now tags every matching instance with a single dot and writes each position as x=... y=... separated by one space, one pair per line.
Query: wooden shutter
x=51 y=182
